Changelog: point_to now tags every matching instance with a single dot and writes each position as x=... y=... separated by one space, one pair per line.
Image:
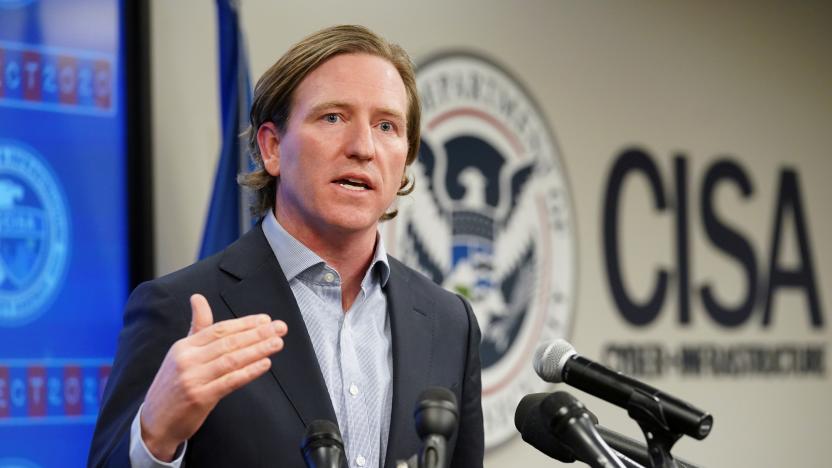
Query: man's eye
x=386 y=127
x=331 y=118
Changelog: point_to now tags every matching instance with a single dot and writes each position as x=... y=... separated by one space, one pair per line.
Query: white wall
x=750 y=80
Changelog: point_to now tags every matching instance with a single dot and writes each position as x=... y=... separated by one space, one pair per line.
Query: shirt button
x=353 y=389
x=329 y=277
x=360 y=460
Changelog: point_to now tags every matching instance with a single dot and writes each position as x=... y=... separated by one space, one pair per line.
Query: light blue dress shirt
x=353 y=348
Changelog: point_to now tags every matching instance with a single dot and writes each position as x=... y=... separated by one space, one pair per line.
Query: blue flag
x=228 y=215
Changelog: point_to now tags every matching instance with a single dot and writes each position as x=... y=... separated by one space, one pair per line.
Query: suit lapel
x=412 y=329
x=263 y=289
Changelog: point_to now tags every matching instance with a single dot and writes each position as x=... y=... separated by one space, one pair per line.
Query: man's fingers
x=201 y=316
x=241 y=339
x=232 y=361
x=228 y=327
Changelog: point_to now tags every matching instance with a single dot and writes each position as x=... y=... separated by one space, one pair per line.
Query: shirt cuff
x=140 y=456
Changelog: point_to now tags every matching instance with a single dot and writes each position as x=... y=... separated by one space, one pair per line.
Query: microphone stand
x=633 y=449
x=649 y=414
x=627 y=461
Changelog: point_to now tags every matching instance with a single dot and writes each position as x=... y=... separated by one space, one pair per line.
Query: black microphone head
x=571 y=423
x=559 y=407
x=436 y=412
x=534 y=428
x=550 y=358
x=558 y=402
x=529 y=404
x=321 y=432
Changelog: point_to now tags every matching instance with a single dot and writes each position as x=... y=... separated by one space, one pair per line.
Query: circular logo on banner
x=491 y=219
x=34 y=234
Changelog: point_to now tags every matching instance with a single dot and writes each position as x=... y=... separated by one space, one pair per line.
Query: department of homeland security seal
x=34 y=234
x=491 y=219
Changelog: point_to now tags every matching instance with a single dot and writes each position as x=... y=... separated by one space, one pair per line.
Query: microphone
x=571 y=422
x=436 y=417
x=322 y=446
x=534 y=429
x=558 y=362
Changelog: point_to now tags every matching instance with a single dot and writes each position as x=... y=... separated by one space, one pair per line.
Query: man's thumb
x=201 y=316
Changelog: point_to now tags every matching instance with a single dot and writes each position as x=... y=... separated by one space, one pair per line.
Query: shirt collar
x=295 y=258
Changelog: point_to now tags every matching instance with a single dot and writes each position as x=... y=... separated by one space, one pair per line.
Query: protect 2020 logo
x=34 y=234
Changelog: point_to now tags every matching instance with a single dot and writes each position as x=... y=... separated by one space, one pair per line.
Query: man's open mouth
x=352 y=184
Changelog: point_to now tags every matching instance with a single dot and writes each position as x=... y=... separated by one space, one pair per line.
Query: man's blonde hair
x=275 y=90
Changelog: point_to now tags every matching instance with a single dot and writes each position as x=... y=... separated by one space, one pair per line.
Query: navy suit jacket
x=435 y=342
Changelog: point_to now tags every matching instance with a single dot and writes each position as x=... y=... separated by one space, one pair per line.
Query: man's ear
x=268 y=139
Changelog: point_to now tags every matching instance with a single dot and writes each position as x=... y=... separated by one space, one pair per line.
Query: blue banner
x=64 y=253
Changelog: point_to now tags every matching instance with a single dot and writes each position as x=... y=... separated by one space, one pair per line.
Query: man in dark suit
x=305 y=317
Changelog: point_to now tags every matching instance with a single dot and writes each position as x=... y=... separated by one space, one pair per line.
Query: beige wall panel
x=185 y=125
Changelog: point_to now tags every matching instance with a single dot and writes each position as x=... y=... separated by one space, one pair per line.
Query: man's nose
x=361 y=144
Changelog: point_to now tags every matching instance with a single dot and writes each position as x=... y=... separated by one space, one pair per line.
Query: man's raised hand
x=212 y=361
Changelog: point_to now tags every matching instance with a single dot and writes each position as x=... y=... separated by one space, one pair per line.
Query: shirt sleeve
x=140 y=456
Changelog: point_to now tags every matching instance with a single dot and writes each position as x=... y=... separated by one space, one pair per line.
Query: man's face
x=342 y=154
